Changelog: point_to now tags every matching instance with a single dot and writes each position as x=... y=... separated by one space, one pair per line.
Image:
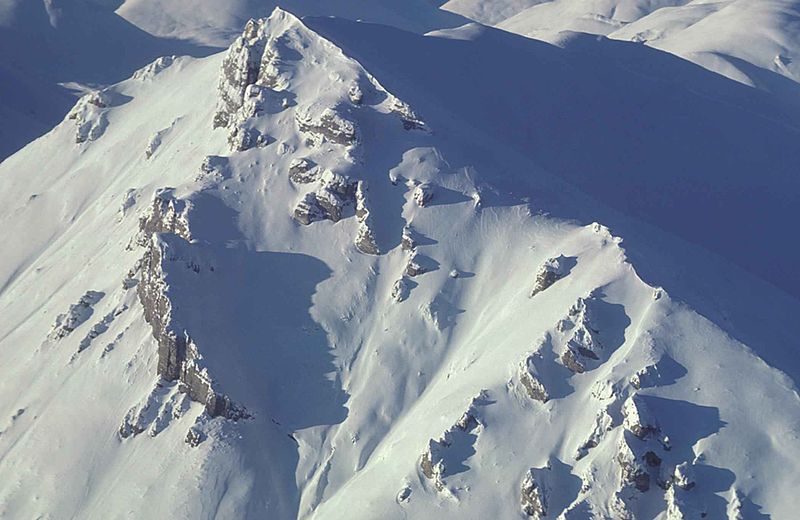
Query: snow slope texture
x=443 y=376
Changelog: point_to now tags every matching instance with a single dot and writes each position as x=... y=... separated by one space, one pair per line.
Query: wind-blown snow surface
x=405 y=384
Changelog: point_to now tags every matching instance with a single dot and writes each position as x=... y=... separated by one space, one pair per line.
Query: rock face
x=245 y=86
x=240 y=69
x=179 y=359
x=89 y=115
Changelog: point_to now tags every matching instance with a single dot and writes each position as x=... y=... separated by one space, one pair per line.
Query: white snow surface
x=755 y=42
x=528 y=151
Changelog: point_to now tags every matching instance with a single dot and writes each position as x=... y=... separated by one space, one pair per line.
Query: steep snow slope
x=751 y=41
x=498 y=357
x=47 y=43
x=756 y=42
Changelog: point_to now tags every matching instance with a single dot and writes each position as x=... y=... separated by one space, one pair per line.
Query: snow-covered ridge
x=407 y=340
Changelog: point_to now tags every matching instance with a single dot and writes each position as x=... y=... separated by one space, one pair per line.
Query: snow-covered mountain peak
x=284 y=281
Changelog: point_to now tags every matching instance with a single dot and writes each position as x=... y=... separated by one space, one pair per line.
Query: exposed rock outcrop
x=100 y=327
x=154 y=68
x=416 y=264
x=552 y=270
x=365 y=237
x=583 y=346
x=423 y=194
x=400 y=290
x=638 y=419
x=163 y=404
x=407 y=116
x=89 y=115
x=167 y=226
x=680 y=505
x=632 y=470
x=240 y=68
x=529 y=379
x=77 y=314
x=443 y=453
x=326 y=124
x=409 y=240
x=167 y=214
x=303 y=171
x=603 y=423
x=334 y=193
x=533 y=499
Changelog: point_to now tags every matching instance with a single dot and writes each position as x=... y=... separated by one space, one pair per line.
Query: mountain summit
x=343 y=270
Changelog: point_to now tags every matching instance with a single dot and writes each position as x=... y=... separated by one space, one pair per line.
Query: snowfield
x=348 y=270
